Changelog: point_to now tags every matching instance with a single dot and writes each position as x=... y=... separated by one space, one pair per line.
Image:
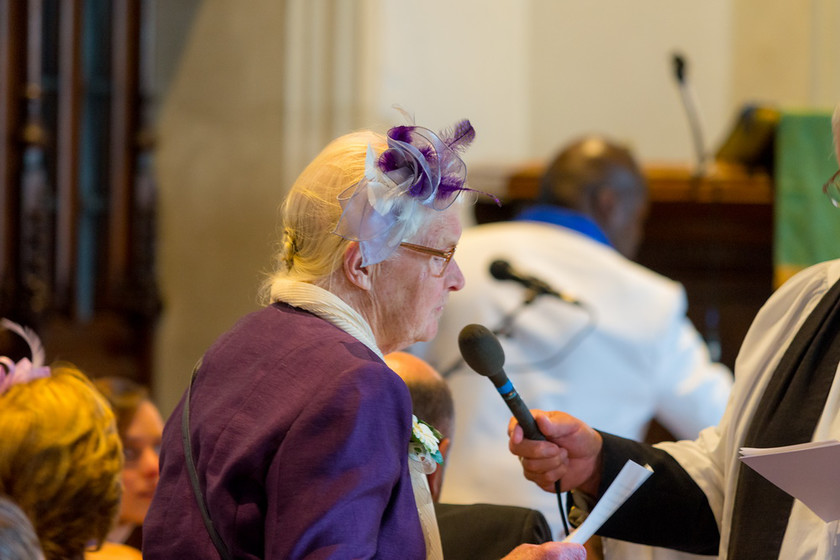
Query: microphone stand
x=712 y=316
x=505 y=329
x=694 y=126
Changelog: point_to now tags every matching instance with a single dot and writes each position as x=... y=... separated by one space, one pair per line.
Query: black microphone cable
x=506 y=329
x=567 y=348
x=501 y=269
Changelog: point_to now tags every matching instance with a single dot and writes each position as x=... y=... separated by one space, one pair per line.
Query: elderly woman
x=140 y=427
x=298 y=431
x=60 y=456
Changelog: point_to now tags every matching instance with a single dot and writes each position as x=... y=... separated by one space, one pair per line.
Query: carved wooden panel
x=77 y=223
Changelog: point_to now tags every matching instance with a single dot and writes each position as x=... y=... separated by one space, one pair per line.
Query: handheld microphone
x=501 y=269
x=482 y=351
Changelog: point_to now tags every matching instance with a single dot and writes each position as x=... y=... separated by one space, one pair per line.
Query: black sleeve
x=667 y=510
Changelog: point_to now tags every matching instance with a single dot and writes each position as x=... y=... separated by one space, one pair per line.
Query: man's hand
x=571 y=452
x=547 y=551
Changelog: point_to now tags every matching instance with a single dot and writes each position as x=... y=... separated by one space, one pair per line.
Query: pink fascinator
x=23 y=371
x=419 y=169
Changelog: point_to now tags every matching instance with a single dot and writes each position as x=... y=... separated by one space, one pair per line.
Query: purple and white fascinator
x=420 y=168
x=24 y=370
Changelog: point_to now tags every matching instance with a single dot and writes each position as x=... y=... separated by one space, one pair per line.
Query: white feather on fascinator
x=419 y=169
x=25 y=370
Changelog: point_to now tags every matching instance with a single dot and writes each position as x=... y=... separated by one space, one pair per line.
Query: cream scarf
x=328 y=307
x=334 y=310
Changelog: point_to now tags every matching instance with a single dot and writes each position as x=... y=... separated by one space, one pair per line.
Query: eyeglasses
x=440 y=259
x=832 y=189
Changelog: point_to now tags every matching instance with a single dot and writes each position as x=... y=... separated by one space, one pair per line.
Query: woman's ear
x=357 y=274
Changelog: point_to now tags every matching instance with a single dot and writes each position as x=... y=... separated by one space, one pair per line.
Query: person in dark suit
x=469 y=531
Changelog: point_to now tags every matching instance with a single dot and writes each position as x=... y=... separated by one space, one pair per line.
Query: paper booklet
x=807 y=471
x=631 y=476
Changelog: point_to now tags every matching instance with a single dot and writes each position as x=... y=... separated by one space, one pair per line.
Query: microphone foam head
x=500 y=270
x=481 y=350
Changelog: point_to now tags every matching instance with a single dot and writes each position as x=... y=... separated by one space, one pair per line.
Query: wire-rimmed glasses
x=440 y=259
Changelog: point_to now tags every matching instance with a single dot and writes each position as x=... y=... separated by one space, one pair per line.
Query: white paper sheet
x=631 y=476
x=806 y=471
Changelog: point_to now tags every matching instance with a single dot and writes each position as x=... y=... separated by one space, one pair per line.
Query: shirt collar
x=566 y=218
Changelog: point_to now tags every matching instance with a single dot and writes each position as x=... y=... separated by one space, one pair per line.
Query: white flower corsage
x=423 y=446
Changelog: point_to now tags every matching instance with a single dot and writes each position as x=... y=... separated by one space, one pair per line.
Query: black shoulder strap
x=188 y=454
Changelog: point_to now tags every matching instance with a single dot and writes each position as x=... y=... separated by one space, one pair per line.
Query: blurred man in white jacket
x=617 y=352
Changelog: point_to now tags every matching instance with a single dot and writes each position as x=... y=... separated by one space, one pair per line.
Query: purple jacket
x=300 y=436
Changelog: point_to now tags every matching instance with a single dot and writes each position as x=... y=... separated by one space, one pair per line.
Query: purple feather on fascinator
x=459 y=137
x=23 y=371
x=401 y=133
